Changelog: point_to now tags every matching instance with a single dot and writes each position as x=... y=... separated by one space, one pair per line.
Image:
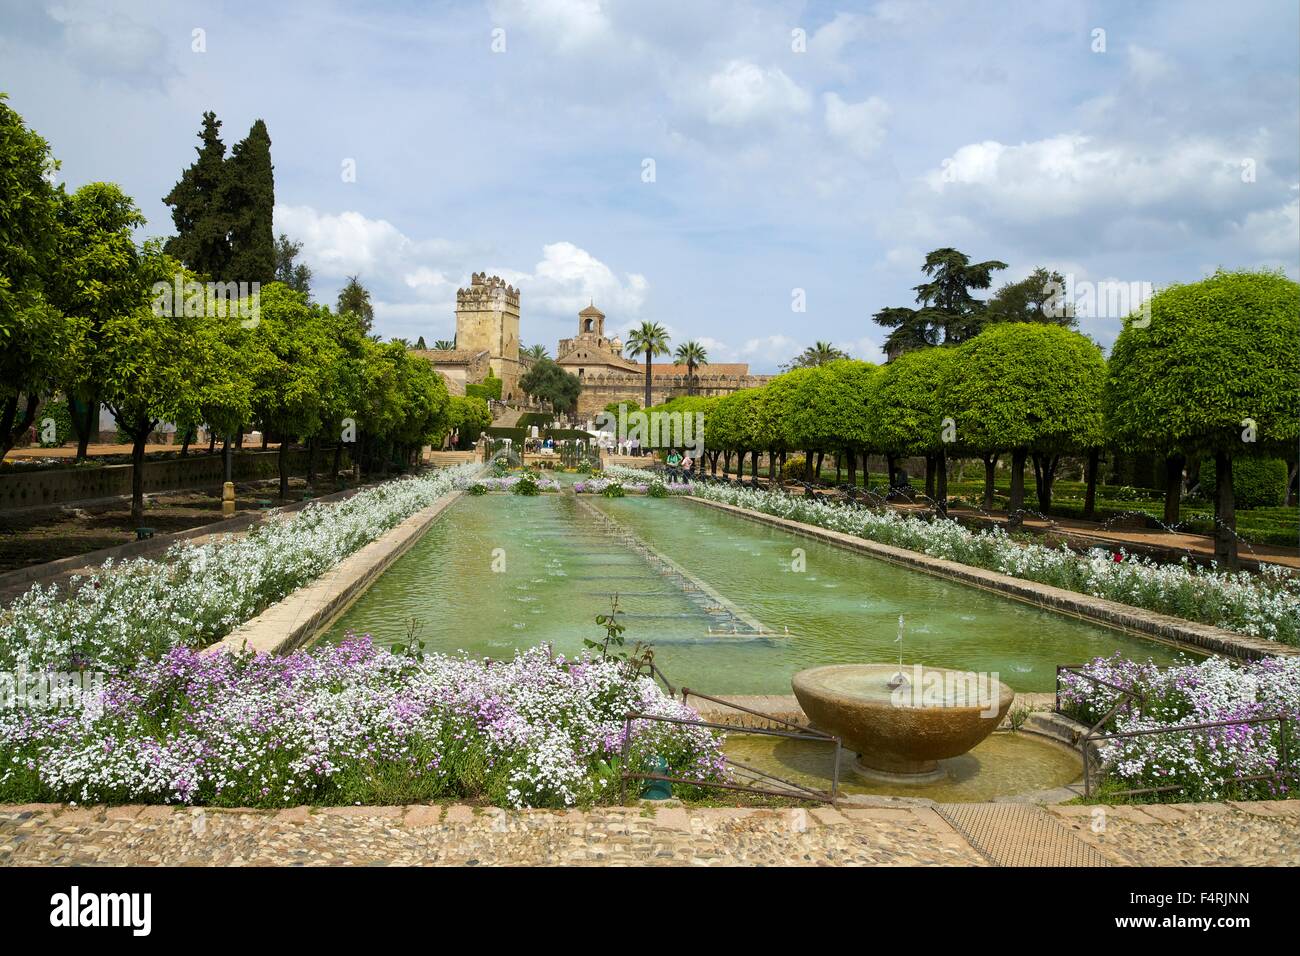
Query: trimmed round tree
x=1030 y=389
x=1212 y=369
x=907 y=409
x=831 y=412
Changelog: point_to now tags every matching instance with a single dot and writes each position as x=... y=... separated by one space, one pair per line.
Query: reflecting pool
x=731 y=606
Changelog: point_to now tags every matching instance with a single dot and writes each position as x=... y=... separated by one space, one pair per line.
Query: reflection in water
x=565 y=563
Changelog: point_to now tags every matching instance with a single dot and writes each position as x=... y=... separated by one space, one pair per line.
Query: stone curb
x=670 y=817
x=1188 y=634
x=157 y=545
x=295 y=620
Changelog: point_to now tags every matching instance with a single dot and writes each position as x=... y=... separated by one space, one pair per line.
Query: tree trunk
x=771 y=468
x=1291 y=484
x=941 y=484
x=817 y=472
x=648 y=362
x=1090 y=493
x=284 y=470
x=185 y=444
x=88 y=421
x=212 y=442
x=313 y=444
x=1044 y=475
x=853 y=466
x=266 y=436
x=839 y=461
x=753 y=465
x=990 y=474
x=866 y=478
x=929 y=476
x=338 y=461
x=891 y=462
x=726 y=463
x=1225 y=512
x=138 y=441
x=1173 y=488
x=228 y=460
x=1016 y=506
x=12 y=426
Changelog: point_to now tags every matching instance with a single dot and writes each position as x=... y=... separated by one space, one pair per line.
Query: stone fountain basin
x=907 y=733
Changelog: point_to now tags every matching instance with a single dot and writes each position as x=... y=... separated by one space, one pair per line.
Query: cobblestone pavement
x=667 y=835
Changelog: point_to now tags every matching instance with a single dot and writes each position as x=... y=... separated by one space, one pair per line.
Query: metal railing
x=1126 y=701
x=757 y=779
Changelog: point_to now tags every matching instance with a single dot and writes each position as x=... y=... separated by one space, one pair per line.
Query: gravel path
x=1256 y=834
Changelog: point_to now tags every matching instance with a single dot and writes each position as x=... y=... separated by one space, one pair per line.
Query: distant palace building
x=487 y=338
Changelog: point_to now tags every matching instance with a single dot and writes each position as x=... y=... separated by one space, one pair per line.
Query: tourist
x=687 y=465
x=674 y=462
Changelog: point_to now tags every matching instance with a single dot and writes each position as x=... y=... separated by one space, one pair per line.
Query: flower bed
x=346 y=724
x=1205 y=764
x=196 y=594
x=1265 y=605
x=524 y=483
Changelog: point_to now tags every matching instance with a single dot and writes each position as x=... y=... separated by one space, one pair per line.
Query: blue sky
x=997 y=127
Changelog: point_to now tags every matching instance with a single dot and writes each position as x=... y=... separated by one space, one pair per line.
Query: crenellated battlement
x=485 y=292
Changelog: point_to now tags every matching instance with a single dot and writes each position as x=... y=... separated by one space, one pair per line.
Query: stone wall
x=29 y=489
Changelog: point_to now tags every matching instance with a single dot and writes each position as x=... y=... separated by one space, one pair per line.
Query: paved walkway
x=1169 y=835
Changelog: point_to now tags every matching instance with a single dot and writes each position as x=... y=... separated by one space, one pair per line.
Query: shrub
x=1256 y=482
x=795 y=469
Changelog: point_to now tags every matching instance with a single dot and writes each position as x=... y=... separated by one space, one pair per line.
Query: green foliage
x=549 y=382
x=795 y=469
x=908 y=404
x=527 y=485
x=1256 y=482
x=202 y=221
x=1215 y=352
x=1038 y=298
x=648 y=339
x=949 y=314
x=33 y=334
x=488 y=390
x=614 y=490
x=1026 y=386
x=354 y=300
x=297 y=275
x=249 y=198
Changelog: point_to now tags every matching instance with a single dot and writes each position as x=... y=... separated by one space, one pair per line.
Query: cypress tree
x=202 y=242
x=249 y=201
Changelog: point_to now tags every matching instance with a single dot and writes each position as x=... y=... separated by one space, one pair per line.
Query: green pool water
x=501 y=572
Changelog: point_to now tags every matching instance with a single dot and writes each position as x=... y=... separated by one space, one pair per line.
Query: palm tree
x=692 y=354
x=444 y=345
x=648 y=339
x=535 y=352
x=818 y=354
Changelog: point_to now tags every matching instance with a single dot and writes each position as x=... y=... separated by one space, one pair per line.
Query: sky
x=753 y=176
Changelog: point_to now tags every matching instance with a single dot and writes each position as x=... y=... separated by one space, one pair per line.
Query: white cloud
x=1071 y=173
x=742 y=93
x=771 y=349
x=337 y=245
x=1147 y=66
x=859 y=126
x=568 y=278
x=1274 y=232
x=104 y=41
x=567 y=26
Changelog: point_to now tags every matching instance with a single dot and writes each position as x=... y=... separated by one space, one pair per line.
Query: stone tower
x=487 y=318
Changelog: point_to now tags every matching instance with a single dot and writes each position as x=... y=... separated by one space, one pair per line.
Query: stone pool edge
x=296 y=619
x=1174 y=630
